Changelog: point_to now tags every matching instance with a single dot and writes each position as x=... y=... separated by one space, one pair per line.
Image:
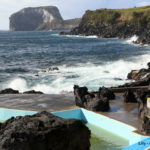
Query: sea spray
x=90 y=75
x=132 y=39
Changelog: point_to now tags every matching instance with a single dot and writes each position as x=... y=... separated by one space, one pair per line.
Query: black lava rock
x=90 y=101
x=129 y=97
x=44 y=131
x=9 y=91
x=33 y=92
x=106 y=93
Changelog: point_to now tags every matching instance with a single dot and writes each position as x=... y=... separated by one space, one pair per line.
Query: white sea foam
x=78 y=36
x=17 y=84
x=22 y=85
x=90 y=75
x=82 y=36
x=132 y=39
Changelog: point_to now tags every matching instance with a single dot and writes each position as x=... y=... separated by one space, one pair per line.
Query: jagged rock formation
x=104 y=92
x=129 y=97
x=144 y=110
x=90 y=101
x=139 y=74
x=44 y=131
x=121 y=23
x=40 y=18
x=141 y=77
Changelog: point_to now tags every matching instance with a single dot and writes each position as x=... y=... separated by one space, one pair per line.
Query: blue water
x=88 y=61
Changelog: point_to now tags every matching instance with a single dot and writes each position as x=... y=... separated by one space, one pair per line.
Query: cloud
x=143 y=3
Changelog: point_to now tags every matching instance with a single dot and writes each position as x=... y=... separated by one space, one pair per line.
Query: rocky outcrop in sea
x=40 y=18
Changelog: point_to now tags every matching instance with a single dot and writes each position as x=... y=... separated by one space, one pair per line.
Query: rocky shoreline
x=132 y=93
x=100 y=101
x=115 y=23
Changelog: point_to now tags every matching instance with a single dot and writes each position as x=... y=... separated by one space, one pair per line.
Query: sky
x=68 y=8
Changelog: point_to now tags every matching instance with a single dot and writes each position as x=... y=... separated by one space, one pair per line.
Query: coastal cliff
x=40 y=18
x=121 y=23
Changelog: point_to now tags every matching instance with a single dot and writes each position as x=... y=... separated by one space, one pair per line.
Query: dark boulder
x=139 y=74
x=53 y=68
x=133 y=75
x=106 y=93
x=129 y=97
x=90 y=101
x=98 y=105
x=143 y=82
x=9 y=91
x=50 y=69
x=33 y=92
x=144 y=110
x=44 y=131
x=141 y=96
x=82 y=95
x=148 y=64
x=145 y=125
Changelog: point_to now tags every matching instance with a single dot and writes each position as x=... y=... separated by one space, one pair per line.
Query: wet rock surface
x=140 y=74
x=94 y=102
x=129 y=97
x=106 y=93
x=143 y=110
x=141 y=77
x=44 y=131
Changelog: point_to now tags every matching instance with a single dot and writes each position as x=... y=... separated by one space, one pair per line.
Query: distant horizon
x=69 y=9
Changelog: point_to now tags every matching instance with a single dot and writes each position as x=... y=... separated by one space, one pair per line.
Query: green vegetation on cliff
x=120 y=23
x=136 y=16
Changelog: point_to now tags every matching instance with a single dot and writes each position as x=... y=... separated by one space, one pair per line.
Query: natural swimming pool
x=104 y=140
x=107 y=133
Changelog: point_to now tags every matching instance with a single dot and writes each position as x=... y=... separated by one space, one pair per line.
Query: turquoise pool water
x=104 y=140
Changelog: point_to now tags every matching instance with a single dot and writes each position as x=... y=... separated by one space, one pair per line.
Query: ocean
x=25 y=59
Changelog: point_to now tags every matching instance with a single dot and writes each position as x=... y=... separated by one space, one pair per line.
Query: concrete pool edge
x=114 y=126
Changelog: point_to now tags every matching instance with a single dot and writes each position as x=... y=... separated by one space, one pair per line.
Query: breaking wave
x=90 y=75
x=132 y=39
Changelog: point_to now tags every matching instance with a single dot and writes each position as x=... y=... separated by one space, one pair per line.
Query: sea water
x=104 y=140
x=25 y=59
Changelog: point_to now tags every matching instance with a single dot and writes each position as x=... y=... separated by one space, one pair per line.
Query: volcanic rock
x=40 y=18
x=141 y=96
x=9 y=91
x=112 y=23
x=139 y=74
x=106 y=93
x=33 y=92
x=90 y=101
x=44 y=131
x=129 y=97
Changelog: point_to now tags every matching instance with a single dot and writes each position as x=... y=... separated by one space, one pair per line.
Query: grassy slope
x=137 y=16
